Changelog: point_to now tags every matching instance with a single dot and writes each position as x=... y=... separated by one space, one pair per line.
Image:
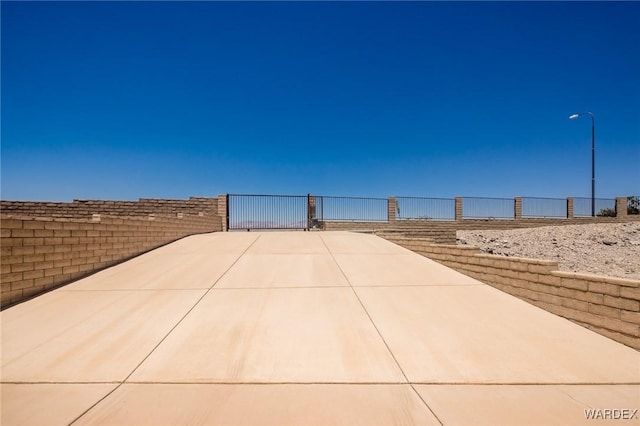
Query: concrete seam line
x=380 y=334
x=166 y=335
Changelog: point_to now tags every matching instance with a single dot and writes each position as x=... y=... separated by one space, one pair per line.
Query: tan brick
x=71 y=226
x=541 y=269
x=36 y=257
x=527 y=276
x=567 y=292
x=518 y=266
x=53 y=225
x=595 y=298
x=622 y=303
x=11 y=260
x=78 y=261
x=33 y=224
x=62 y=249
x=509 y=273
x=578 y=305
x=543 y=288
x=604 y=288
x=605 y=311
x=549 y=298
x=5 y=250
x=5 y=268
x=43 y=249
x=43 y=233
x=70 y=269
x=632 y=317
x=18 y=251
x=21 y=285
x=5 y=232
x=52 y=272
x=44 y=281
x=62 y=263
x=53 y=241
x=32 y=241
x=11 y=223
x=53 y=256
x=12 y=242
x=22 y=267
x=62 y=233
x=11 y=277
x=33 y=274
x=43 y=265
x=574 y=283
x=630 y=292
x=550 y=279
x=21 y=233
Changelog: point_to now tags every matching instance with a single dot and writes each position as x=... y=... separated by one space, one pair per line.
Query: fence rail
x=268 y=212
x=408 y=208
x=305 y=211
x=603 y=207
x=351 y=209
x=544 y=207
x=488 y=208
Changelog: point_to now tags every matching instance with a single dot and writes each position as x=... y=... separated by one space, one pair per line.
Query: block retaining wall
x=608 y=306
x=39 y=254
x=85 y=208
x=444 y=232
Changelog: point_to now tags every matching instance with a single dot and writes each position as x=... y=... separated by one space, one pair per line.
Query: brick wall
x=42 y=253
x=444 y=232
x=608 y=306
x=85 y=208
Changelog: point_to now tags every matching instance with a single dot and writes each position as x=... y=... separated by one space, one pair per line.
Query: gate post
x=458 y=209
x=621 y=207
x=569 y=207
x=391 y=209
x=223 y=210
x=311 y=210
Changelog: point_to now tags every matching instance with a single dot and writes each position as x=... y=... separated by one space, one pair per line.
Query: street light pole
x=593 y=158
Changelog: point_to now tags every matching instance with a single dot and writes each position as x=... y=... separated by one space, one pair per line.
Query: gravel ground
x=609 y=249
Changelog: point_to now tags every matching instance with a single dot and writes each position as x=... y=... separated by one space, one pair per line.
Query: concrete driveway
x=304 y=328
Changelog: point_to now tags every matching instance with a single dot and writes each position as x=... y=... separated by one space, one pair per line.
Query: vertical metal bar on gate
x=227 y=212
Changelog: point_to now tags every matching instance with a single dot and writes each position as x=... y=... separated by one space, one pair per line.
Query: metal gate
x=247 y=212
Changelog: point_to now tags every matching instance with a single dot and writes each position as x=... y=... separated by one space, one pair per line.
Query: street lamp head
x=574 y=116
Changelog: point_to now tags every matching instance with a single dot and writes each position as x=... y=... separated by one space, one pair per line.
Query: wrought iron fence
x=544 y=207
x=633 y=204
x=351 y=209
x=602 y=207
x=267 y=211
x=408 y=208
x=488 y=208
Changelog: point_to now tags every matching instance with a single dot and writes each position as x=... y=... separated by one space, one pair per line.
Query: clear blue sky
x=120 y=100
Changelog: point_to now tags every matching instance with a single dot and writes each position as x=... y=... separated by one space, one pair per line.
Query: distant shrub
x=607 y=213
x=633 y=204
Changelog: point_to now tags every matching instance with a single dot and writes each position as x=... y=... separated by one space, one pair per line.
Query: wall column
x=393 y=205
x=621 y=207
x=570 y=208
x=458 y=213
x=517 y=208
x=223 y=211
